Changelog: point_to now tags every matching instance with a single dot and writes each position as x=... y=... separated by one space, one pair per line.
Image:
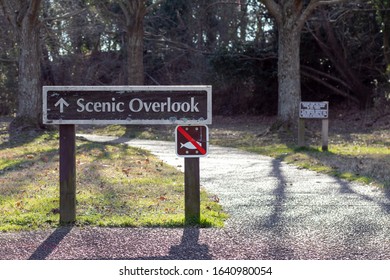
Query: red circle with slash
x=192 y=141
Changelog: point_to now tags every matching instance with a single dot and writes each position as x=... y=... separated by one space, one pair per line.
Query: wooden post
x=67 y=174
x=325 y=132
x=192 y=191
x=301 y=133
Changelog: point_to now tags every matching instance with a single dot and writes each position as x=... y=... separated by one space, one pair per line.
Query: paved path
x=290 y=212
x=277 y=212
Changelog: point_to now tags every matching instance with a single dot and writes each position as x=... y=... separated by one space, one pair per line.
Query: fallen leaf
x=126 y=171
x=45 y=159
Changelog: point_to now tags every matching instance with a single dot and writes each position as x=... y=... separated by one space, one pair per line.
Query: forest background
x=230 y=44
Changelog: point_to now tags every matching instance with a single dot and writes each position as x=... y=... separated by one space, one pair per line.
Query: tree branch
x=333 y=88
x=8 y=10
x=8 y=60
x=35 y=6
x=330 y=2
x=65 y=16
x=314 y=4
x=326 y=75
x=154 y=5
x=274 y=8
x=125 y=12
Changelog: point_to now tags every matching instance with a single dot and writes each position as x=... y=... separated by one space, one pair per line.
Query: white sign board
x=314 y=110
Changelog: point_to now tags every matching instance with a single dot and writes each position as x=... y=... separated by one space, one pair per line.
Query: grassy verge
x=117 y=186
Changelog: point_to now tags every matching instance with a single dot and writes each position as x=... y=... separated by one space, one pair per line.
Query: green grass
x=366 y=165
x=117 y=186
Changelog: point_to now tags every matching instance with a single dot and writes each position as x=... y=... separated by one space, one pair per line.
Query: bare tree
x=135 y=12
x=23 y=16
x=290 y=17
x=383 y=11
x=338 y=43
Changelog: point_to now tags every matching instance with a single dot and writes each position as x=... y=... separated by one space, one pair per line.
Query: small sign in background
x=314 y=110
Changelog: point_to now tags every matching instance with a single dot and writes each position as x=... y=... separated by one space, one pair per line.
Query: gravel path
x=277 y=212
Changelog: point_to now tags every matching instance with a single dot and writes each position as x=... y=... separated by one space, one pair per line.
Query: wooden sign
x=183 y=105
x=127 y=105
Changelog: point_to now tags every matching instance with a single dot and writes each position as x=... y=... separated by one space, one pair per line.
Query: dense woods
x=318 y=50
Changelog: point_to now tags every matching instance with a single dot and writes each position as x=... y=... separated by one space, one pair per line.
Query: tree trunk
x=134 y=12
x=289 y=79
x=386 y=38
x=135 y=49
x=290 y=17
x=29 y=84
x=29 y=97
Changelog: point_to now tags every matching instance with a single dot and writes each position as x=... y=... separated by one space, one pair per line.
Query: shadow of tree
x=279 y=194
x=26 y=137
x=345 y=188
x=279 y=227
x=355 y=167
x=40 y=163
x=278 y=244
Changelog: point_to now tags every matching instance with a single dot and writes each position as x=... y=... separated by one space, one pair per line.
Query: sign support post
x=192 y=191
x=314 y=110
x=325 y=133
x=301 y=132
x=67 y=174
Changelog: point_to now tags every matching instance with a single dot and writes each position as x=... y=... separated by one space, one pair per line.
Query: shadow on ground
x=50 y=244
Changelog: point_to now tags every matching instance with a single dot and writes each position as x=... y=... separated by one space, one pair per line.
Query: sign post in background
x=314 y=110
